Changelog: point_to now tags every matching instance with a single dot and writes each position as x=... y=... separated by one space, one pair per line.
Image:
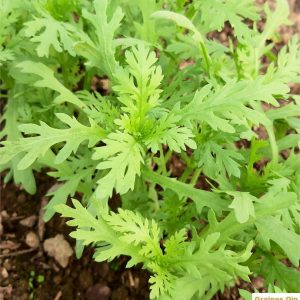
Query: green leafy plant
x=175 y=94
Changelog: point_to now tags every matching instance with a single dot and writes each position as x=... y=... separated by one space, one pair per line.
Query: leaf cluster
x=174 y=96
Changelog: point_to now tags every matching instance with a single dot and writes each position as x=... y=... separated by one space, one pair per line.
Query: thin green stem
x=251 y=158
x=185 y=175
x=162 y=160
x=206 y=57
x=273 y=144
x=196 y=176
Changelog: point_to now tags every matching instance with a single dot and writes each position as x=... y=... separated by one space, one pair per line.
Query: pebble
x=258 y=282
x=98 y=292
x=4 y=273
x=7 y=264
x=58 y=248
x=4 y=214
x=32 y=240
x=29 y=221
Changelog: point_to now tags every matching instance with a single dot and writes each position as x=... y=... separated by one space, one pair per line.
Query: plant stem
x=273 y=144
x=195 y=176
x=162 y=160
x=206 y=57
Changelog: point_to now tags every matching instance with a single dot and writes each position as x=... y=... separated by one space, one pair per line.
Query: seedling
x=34 y=279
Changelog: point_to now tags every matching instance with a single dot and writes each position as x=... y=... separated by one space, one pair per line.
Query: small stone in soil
x=7 y=264
x=29 y=221
x=3 y=273
x=98 y=292
x=32 y=240
x=4 y=214
x=59 y=248
x=258 y=282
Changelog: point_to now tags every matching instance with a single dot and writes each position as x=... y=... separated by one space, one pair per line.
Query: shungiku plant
x=194 y=238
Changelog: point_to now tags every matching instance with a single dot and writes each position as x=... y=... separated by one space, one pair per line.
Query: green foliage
x=123 y=156
x=98 y=48
x=37 y=146
x=48 y=32
x=129 y=233
x=275 y=271
x=243 y=206
x=199 y=140
x=232 y=11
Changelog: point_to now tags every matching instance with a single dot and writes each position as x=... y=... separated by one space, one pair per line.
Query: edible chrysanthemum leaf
x=123 y=157
x=37 y=146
